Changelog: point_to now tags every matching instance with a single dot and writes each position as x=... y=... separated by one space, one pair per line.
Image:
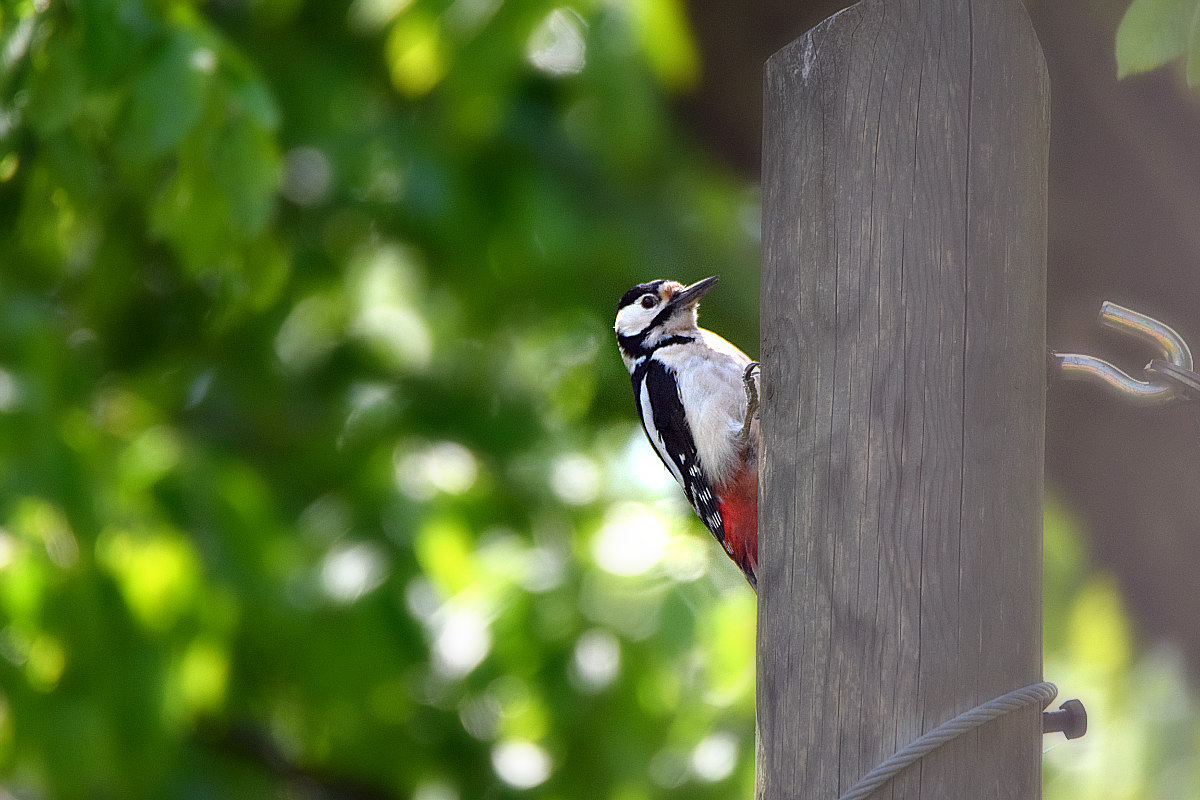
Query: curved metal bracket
x=1152 y=392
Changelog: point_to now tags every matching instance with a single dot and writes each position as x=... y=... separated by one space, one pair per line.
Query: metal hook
x=1149 y=330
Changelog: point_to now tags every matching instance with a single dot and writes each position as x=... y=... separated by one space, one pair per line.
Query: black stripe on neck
x=635 y=346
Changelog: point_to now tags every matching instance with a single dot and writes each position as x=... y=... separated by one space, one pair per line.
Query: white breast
x=709 y=374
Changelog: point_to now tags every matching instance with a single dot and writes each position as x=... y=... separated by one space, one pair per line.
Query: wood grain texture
x=904 y=180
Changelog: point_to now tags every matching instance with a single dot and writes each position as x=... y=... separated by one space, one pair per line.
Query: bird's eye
x=649 y=301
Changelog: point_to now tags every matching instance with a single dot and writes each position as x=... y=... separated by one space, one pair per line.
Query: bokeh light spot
x=350 y=571
x=575 y=478
x=414 y=53
x=631 y=541
x=46 y=661
x=557 y=45
x=382 y=281
x=435 y=790
x=203 y=60
x=8 y=548
x=203 y=676
x=310 y=331
x=158 y=572
x=10 y=392
x=307 y=176
x=463 y=639
x=522 y=765
x=669 y=767
x=368 y=16
x=440 y=467
x=596 y=660
x=714 y=758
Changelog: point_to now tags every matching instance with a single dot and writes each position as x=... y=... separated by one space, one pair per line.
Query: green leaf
x=168 y=97
x=1152 y=33
x=56 y=86
x=1193 y=59
x=246 y=166
x=254 y=98
x=192 y=213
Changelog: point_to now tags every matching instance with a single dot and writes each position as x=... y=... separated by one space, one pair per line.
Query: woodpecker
x=696 y=398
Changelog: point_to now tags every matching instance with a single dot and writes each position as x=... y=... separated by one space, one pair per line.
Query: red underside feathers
x=738 y=501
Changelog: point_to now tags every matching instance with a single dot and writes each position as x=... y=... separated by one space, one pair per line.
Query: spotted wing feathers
x=661 y=412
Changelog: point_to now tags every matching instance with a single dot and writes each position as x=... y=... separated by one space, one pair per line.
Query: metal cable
x=1043 y=693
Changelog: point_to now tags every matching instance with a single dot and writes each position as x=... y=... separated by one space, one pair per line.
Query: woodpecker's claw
x=751 y=387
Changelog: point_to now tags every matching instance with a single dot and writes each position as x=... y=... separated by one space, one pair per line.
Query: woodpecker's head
x=652 y=312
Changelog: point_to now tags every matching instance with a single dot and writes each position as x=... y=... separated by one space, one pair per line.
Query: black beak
x=690 y=295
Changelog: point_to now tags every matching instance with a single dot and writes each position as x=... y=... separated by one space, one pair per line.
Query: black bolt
x=1070 y=720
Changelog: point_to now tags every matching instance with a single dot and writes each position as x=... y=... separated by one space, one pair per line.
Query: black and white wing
x=661 y=412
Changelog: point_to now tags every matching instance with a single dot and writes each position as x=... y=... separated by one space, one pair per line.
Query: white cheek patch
x=633 y=319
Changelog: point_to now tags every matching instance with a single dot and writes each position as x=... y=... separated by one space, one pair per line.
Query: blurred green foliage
x=312 y=430
x=1155 y=32
x=1143 y=736
x=318 y=471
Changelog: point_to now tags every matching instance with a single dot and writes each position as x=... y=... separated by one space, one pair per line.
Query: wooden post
x=904 y=179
